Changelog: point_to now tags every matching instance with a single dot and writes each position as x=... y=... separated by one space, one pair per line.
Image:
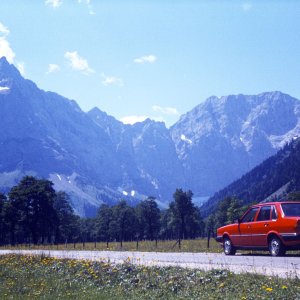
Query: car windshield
x=250 y=215
x=291 y=209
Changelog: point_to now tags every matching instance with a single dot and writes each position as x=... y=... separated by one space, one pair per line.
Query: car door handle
x=248 y=226
x=266 y=225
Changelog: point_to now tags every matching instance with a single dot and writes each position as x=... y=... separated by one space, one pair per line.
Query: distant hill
x=271 y=180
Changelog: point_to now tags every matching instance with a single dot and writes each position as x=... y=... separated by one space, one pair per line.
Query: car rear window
x=291 y=209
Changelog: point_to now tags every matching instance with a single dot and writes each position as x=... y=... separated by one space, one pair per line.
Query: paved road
x=287 y=266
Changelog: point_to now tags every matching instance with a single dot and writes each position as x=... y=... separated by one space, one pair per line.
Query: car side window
x=264 y=213
x=250 y=215
x=274 y=213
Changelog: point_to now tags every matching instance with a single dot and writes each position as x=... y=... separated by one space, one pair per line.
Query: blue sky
x=157 y=59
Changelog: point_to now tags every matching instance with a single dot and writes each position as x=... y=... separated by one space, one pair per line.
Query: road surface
x=286 y=267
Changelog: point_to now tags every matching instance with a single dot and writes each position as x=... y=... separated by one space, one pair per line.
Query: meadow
x=196 y=245
x=38 y=277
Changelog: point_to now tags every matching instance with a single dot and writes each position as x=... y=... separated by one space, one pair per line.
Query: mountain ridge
x=271 y=180
x=98 y=159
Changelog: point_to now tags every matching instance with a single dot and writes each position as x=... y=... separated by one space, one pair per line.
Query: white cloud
x=5 y=49
x=52 y=68
x=89 y=6
x=165 y=110
x=54 y=3
x=21 y=68
x=3 y=30
x=146 y=59
x=78 y=63
x=246 y=6
x=111 y=80
x=133 y=119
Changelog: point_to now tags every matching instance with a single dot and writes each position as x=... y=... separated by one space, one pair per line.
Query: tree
x=103 y=220
x=2 y=223
x=87 y=230
x=67 y=228
x=123 y=225
x=234 y=211
x=168 y=227
x=183 y=212
x=148 y=215
x=293 y=196
x=32 y=201
x=10 y=220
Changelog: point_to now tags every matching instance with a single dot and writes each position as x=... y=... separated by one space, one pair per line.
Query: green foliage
x=2 y=221
x=68 y=222
x=185 y=218
x=227 y=211
x=32 y=202
x=34 y=213
x=124 y=221
x=148 y=215
x=293 y=196
x=103 y=223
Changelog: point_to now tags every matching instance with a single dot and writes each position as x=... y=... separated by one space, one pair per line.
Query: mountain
x=272 y=179
x=92 y=156
x=223 y=138
x=98 y=159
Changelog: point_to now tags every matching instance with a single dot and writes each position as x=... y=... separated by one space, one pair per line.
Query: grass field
x=28 y=277
x=197 y=245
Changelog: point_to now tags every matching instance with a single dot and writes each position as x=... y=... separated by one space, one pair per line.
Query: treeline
x=34 y=213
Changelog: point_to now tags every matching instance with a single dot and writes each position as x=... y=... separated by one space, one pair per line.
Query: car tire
x=276 y=247
x=229 y=249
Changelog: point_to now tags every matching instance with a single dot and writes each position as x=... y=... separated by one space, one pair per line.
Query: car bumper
x=290 y=237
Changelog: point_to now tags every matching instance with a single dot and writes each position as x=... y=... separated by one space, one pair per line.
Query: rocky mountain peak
x=7 y=70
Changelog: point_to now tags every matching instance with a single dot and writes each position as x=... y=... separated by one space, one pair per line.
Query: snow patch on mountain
x=185 y=139
x=4 y=89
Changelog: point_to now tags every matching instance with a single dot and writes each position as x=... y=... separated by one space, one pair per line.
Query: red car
x=269 y=226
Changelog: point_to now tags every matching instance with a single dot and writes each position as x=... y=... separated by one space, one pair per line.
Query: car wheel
x=228 y=247
x=276 y=247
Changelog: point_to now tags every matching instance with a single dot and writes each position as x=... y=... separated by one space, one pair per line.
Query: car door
x=264 y=223
x=244 y=238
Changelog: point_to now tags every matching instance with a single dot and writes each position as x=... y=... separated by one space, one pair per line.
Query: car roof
x=274 y=203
